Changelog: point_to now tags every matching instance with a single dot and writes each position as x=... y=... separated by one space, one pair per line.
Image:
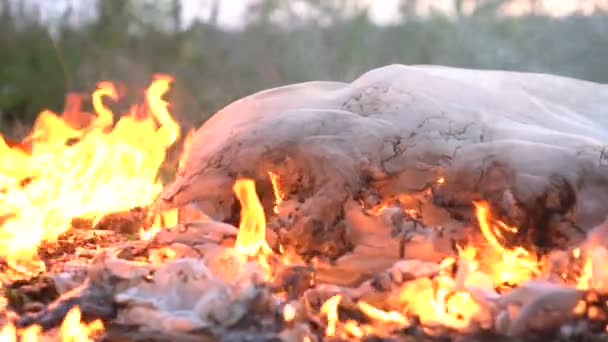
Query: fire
x=508 y=266
x=594 y=273
x=81 y=172
x=8 y=333
x=289 y=313
x=354 y=329
x=447 y=304
x=164 y=219
x=186 y=149
x=72 y=330
x=330 y=309
x=278 y=194
x=31 y=334
x=383 y=316
x=251 y=239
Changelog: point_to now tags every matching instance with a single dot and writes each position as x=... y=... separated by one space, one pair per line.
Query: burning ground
x=379 y=210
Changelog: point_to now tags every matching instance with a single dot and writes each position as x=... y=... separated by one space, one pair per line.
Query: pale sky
x=232 y=12
x=385 y=11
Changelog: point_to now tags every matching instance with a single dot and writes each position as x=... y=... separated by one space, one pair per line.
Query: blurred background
x=221 y=50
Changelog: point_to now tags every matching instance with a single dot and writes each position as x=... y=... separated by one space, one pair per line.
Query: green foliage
x=128 y=41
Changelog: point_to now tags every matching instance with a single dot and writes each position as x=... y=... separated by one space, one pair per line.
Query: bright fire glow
x=251 y=239
x=81 y=172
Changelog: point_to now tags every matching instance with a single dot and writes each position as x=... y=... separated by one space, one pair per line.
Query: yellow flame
x=330 y=309
x=82 y=173
x=251 y=238
x=278 y=194
x=105 y=117
x=169 y=130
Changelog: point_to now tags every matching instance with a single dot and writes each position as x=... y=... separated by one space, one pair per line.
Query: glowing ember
x=330 y=309
x=83 y=173
x=251 y=239
x=278 y=194
x=377 y=210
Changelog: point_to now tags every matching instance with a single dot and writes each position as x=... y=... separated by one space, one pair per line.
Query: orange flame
x=251 y=239
x=81 y=172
